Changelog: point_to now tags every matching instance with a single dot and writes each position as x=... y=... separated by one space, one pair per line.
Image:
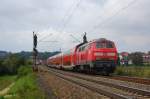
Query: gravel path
x=43 y=86
x=5 y=91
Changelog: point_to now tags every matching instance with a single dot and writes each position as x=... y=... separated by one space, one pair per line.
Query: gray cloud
x=129 y=28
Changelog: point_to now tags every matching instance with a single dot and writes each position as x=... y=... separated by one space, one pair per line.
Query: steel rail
x=145 y=81
x=123 y=87
x=96 y=89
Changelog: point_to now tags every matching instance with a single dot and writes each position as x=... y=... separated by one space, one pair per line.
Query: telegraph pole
x=35 y=52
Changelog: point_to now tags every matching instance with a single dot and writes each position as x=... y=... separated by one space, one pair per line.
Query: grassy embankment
x=135 y=71
x=6 y=81
x=25 y=86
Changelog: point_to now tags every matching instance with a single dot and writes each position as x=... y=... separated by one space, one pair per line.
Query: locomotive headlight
x=98 y=54
x=111 y=54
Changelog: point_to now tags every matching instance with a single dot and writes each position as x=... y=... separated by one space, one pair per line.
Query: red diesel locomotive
x=99 y=55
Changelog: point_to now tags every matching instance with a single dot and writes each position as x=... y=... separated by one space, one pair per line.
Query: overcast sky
x=126 y=22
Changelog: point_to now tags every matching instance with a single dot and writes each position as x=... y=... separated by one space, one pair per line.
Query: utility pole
x=35 y=52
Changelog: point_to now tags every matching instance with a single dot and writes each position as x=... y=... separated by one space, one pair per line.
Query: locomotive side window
x=83 y=48
x=80 y=49
x=87 y=47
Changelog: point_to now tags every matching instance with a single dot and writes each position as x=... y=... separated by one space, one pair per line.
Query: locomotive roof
x=100 y=39
x=95 y=40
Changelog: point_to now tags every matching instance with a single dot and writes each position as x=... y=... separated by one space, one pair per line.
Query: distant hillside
x=3 y=54
x=26 y=55
x=45 y=55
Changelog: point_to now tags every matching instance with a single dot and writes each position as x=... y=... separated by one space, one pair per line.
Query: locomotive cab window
x=109 y=45
x=104 y=45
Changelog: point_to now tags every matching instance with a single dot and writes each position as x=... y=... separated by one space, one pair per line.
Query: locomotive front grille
x=104 y=59
x=102 y=63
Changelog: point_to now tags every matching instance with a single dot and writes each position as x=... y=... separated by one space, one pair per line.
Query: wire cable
x=65 y=18
x=44 y=37
x=70 y=15
x=111 y=17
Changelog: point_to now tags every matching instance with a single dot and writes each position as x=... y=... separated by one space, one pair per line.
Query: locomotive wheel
x=76 y=68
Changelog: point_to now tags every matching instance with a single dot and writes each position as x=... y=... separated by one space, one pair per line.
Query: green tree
x=136 y=58
x=11 y=64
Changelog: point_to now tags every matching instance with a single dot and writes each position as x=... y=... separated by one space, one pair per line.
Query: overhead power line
x=111 y=17
x=66 y=15
x=70 y=15
x=66 y=18
x=49 y=41
x=75 y=38
x=45 y=37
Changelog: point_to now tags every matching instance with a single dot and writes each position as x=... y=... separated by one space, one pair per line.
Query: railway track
x=112 y=90
x=145 y=81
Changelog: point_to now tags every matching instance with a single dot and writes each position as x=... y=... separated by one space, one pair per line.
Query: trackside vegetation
x=6 y=81
x=16 y=70
x=10 y=64
x=26 y=86
x=135 y=71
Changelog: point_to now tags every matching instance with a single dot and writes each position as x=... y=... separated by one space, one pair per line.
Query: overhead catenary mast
x=35 y=52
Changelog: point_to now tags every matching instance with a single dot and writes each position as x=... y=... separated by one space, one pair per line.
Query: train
x=99 y=56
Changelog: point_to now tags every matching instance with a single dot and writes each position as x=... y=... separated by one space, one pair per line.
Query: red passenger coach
x=99 y=55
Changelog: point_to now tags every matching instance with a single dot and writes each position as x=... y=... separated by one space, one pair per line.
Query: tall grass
x=26 y=86
x=6 y=81
x=137 y=71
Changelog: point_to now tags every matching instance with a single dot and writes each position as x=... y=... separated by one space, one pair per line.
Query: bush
x=1 y=97
x=136 y=58
x=11 y=64
x=24 y=70
x=28 y=62
x=139 y=71
x=119 y=71
x=26 y=86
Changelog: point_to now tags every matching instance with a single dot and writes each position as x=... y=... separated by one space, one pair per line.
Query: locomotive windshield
x=104 y=45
